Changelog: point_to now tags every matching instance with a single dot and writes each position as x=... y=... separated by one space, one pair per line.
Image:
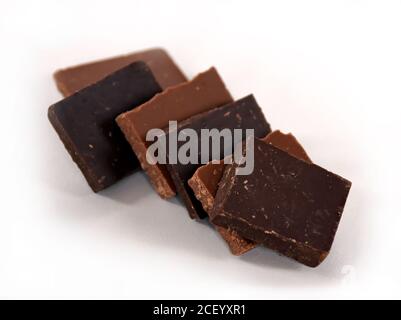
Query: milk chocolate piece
x=286 y=204
x=205 y=181
x=242 y=114
x=160 y=63
x=85 y=123
x=204 y=92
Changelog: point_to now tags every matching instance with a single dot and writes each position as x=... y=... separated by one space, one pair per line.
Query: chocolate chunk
x=242 y=114
x=85 y=123
x=286 y=204
x=160 y=63
x=205 y=181
x=204 y=92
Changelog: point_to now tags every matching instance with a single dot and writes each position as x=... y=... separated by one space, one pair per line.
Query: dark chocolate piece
x=85 y=123
x=164 y=69
x=206 y=91
x=204 y=183
x=242 y=114
x=286 y=204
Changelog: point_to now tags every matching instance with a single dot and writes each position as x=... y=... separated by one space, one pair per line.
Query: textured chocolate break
x=241 y=114
x=86 y=126
x=205 y=181
x=75 y=78
x=286 y=204
x=206 y=91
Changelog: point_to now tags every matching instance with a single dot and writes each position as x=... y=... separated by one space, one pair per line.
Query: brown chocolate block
x=286 y=204
x=85 y=123
x=164 y=69
x=205 y=182
x=242 y=114
x=206 y=91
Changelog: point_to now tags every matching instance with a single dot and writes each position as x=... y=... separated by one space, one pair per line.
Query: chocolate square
x=286 y=204
x=85 y=123
x=206 y=91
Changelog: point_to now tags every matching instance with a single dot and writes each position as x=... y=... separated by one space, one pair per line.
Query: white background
x=328 y=71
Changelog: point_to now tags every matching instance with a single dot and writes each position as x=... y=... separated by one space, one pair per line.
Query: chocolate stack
x=286 y=203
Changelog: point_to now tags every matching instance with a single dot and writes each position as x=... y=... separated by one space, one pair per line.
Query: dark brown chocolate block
x=286 y=204
x=85 y=123
x=206 y=91
x=204 y=183
x=164 y=69
x=242 y=114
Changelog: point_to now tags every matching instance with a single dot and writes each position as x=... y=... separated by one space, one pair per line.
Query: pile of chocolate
x=287 y=203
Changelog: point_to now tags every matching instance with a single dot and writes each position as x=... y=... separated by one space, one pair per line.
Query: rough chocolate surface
x=242 y=114
x=205 y=181
x=75 y=78
x=207 y=177
x=206 y=91
x=85 y=123
x=286 y=204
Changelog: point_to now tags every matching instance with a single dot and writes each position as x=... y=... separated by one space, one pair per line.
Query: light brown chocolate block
x=205 y=183
x=206 y=91
x=164 y=69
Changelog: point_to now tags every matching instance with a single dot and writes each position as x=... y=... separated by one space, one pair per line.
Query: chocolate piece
x=286 y=204
x=205 y=181
x=85 y=123
x=242 y=114
x=160 y=63
x=206 y=91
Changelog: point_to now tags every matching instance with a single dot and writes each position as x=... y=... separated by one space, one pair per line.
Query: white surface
x=328 y=71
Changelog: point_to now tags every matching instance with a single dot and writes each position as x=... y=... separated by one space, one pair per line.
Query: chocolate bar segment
x=204 y=92
x=164 y=69
x=242 y=114
x=85 y=123
x=286 y=204
x=204 y=183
